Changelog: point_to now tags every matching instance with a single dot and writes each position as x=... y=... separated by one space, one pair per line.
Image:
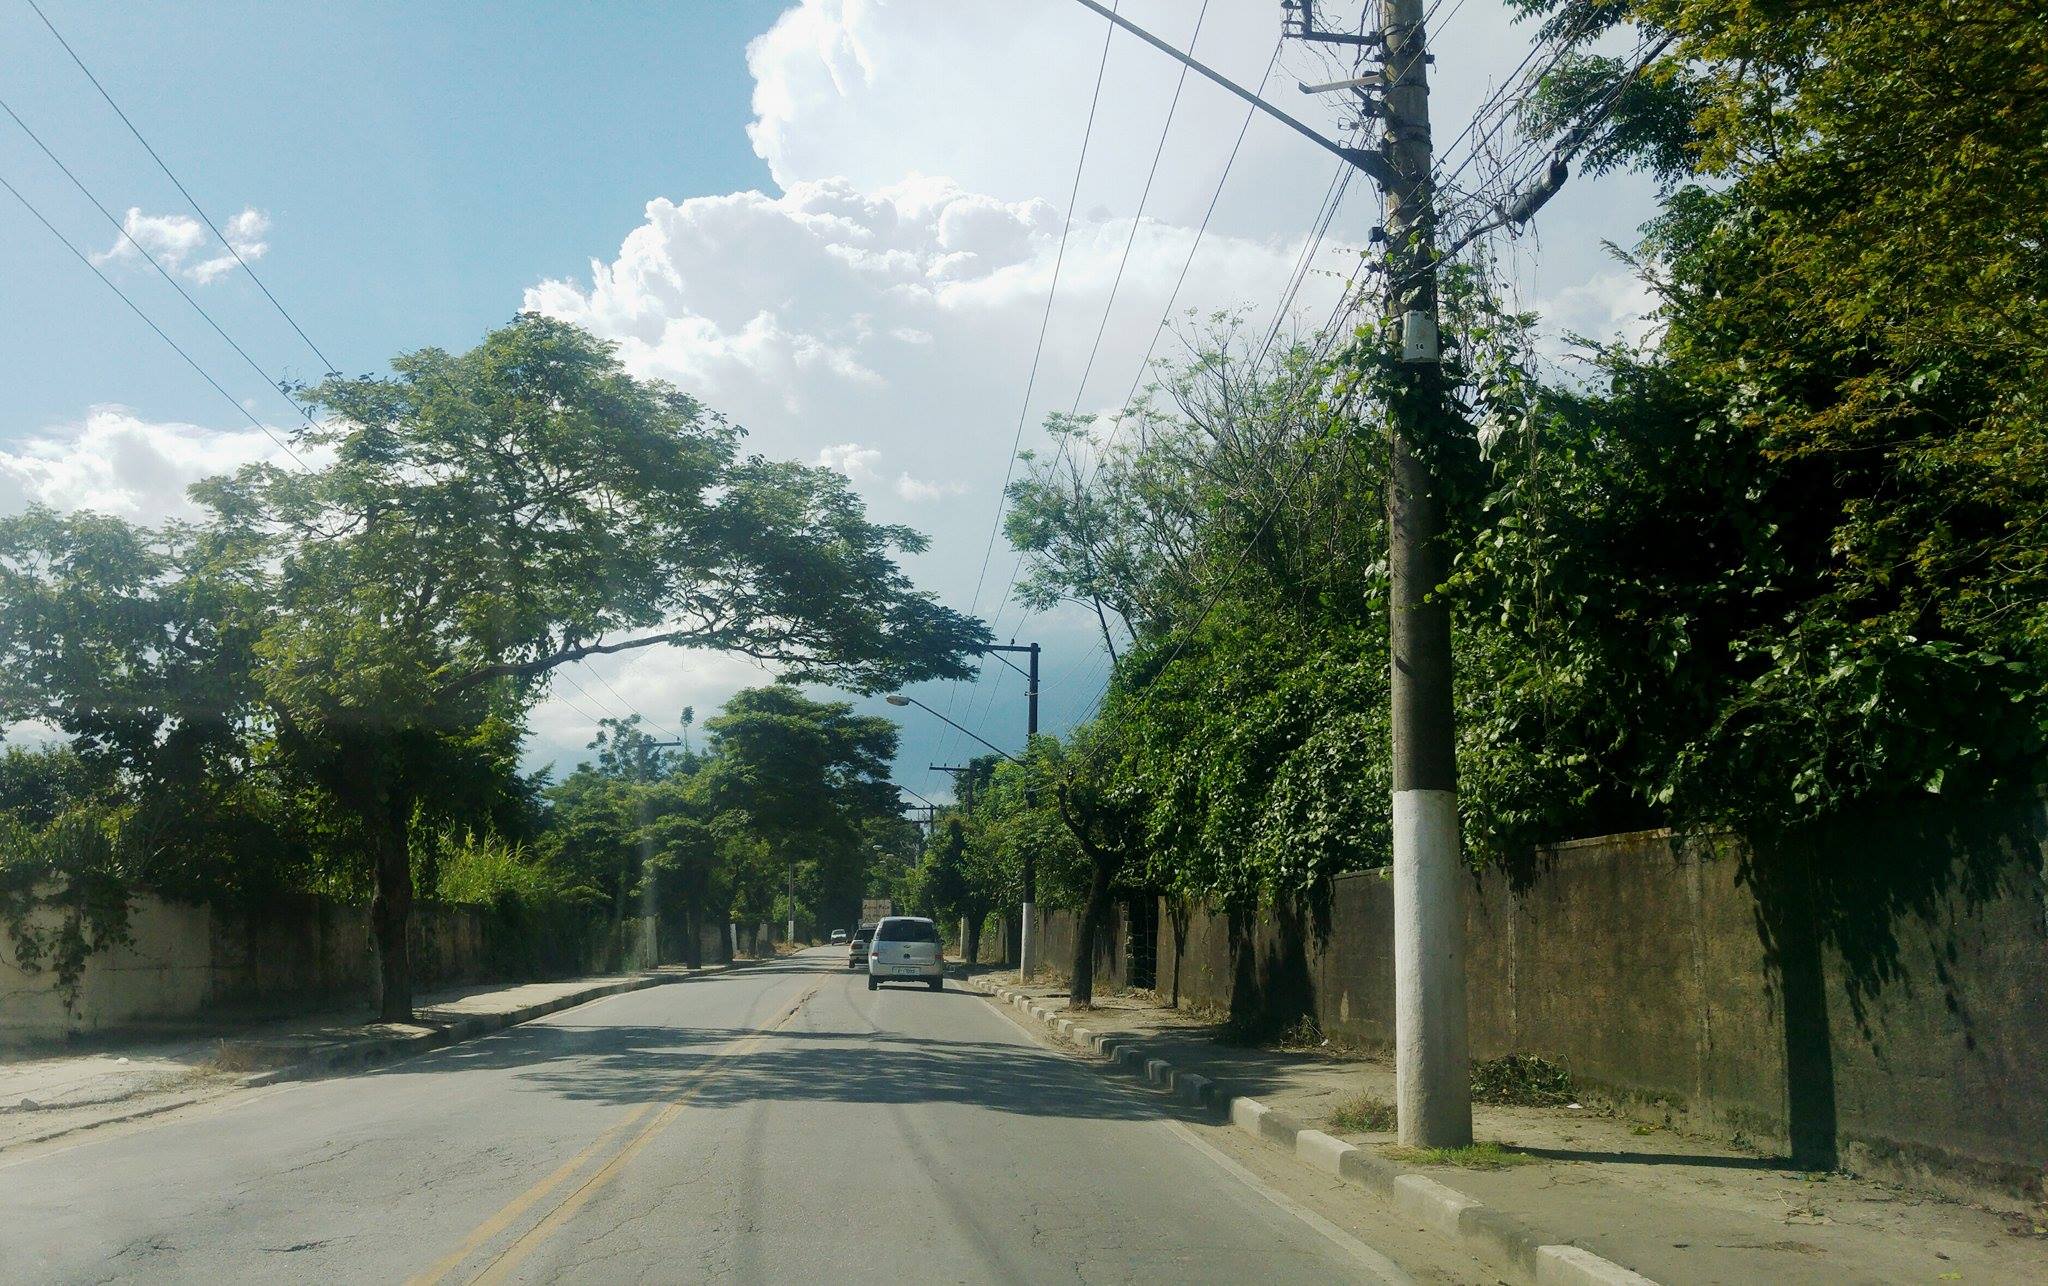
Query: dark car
x=857 y=953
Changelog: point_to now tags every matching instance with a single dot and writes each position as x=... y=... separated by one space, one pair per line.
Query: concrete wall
x=1876 y=997
x=1054 y=952
x=191 y=964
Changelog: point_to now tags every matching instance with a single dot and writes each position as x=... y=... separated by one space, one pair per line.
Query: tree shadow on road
x=627 y=1065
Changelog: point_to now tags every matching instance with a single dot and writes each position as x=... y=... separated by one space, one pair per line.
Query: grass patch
x=1479 y=1156
x=1363 y=1115
x=1521 y=1080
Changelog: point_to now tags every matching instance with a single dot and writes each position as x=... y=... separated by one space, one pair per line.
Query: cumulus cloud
x=1614 y=305
x=996 y=100
x=115 y=462
x=917 y=489
x=903 y=318
x=183 y=245
x=858 y=464
x=850 y=458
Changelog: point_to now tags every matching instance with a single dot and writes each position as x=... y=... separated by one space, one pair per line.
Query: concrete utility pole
x=1431 y=1059
x=792 y=902
x=1433 y=1085
x=1026 y=964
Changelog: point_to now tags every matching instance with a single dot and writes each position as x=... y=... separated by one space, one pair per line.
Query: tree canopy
x=380 y=621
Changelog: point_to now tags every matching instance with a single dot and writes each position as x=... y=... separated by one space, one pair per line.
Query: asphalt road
x=774 y=1124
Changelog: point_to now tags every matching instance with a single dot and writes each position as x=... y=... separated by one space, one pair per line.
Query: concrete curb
x=385 y=1049
x=1475 y=1227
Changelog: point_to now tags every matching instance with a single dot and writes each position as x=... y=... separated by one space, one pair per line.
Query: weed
x=1520 y=1080
x=1477 y=1156
x=1363 y=1115
x=1303 y=1033
x=1639 y=1129
x=1257 y=1030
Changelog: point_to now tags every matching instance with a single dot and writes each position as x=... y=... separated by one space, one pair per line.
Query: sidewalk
x=45 y=1096
x=1674 y=1208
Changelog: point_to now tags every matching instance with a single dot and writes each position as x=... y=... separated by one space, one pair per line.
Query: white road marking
x=1381 y=1267
x=1372 y=1261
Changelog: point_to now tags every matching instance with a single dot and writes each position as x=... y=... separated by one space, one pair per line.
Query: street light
x=1024 y=943
x=898 y=699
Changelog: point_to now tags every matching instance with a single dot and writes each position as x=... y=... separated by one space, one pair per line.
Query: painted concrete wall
x=1876 y=997
x=190 y=964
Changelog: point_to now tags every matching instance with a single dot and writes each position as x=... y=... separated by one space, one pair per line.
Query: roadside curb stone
x=386 y=1049
x=346 y=1054
x=1480 y=1229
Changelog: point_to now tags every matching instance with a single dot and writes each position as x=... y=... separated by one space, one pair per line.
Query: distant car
x=906 y=949
x=857 y=952
x=838 y=935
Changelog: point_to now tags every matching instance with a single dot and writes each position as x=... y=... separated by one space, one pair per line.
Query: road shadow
x=634 y=1064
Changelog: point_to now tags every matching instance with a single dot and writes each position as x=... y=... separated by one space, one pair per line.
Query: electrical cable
x=1187 y=264
x=326 y=365
x=161 y=271
x=1038 y=349
x=107 y=281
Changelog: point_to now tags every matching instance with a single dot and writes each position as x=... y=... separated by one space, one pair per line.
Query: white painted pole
x=1026 y=940
x=1432 y=1071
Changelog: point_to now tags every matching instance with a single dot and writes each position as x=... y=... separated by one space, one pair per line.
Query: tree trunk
x=1179 y=912
x=971 y=948
x=1081 y=991
x=391 y=917
x=693 y=935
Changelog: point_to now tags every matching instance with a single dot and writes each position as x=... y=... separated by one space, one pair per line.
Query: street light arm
x=913 y=794
x=898 y=699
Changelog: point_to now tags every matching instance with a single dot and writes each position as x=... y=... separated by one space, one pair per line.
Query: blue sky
x=421 y=163
x=836 y=220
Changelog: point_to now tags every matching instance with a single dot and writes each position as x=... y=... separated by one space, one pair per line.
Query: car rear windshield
x=908 y=931
x=862 y=935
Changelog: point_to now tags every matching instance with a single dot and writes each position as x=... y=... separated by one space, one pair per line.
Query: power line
x=1045 y=321
x=592 y=672
x=1194 y=246
x=1326 y=212
x=326 y=365
x=1038 y=349
x=107 y=281
x=1080 y=389
x=1343 y=307
x=596 y=721
x=161 y=271
x=1137 y=218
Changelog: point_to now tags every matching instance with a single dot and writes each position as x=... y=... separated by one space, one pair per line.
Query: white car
x=838 y=937
x=906 y=949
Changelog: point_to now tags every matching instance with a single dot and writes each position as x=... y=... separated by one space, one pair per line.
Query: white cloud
x=1611 y=305
x=850 y=458
x=917 y=489
x=183 y=245
x=858 y=464
x=833 y=320
x=117 y=463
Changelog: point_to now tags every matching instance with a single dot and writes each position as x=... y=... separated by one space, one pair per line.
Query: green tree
x=473 y=522
x=807 y=778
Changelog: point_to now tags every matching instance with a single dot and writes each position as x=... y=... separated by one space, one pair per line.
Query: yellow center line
x=517 y=1253
x=499 y=1222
